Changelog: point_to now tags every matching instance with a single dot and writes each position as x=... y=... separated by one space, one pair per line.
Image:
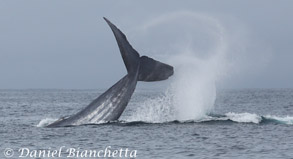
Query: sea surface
x=245 y=123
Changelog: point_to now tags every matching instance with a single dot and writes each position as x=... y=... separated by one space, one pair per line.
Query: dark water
x=250 y=123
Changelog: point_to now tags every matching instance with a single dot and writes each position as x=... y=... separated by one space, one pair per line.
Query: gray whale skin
x=110 y=105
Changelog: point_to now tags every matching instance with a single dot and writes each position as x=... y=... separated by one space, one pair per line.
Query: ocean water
x=244 y=123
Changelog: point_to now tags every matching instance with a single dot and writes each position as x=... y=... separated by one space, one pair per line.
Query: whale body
x=110 y=105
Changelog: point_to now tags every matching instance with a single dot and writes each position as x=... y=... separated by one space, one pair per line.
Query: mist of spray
x=196 y=45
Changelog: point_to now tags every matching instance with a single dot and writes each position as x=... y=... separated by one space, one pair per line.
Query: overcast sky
x=67 y=44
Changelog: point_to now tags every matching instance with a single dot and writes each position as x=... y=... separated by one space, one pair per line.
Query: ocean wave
x=251 y=118
x=244 y=117
x=281 y=120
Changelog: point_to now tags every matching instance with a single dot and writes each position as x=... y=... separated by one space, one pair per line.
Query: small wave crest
x=244 y=117
x=282 y=120
x=45 y=122
x=252 y=118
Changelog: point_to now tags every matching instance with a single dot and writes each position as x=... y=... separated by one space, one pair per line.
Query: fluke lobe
x=110 y=105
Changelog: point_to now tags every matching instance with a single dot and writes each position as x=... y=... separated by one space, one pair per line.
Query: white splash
x=196 y=47
x=46 y=121
x=244 y=117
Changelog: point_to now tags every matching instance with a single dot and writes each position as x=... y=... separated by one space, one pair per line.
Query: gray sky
x=66 y=44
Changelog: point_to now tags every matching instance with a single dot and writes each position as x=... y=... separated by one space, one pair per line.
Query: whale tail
x=149 y=69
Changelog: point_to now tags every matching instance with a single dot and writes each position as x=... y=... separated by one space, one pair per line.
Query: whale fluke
x=150 y=69
x=129 y=55
x=110 y=105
